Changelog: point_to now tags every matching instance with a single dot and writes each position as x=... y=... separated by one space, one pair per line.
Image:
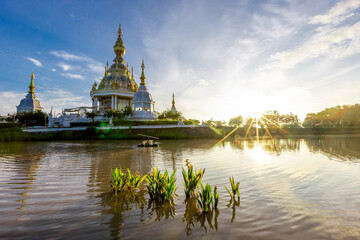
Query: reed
x=161 y=186
x=191 y=179
x=205 y=198
x=119 y=181
x=234 y=188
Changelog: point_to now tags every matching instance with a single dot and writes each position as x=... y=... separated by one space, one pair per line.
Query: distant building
x=30 y=102
x=173 y=108
x=117 y=88
x=142 y=103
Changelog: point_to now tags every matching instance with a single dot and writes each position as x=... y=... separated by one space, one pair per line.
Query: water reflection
x=343 y=148
x=193 y=215
x=117 y=205
x=233 y=203
x=161 y=210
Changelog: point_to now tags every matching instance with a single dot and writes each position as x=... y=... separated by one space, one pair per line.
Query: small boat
x=148 y=141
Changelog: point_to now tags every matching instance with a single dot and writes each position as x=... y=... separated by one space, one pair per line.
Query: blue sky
x=220 y=58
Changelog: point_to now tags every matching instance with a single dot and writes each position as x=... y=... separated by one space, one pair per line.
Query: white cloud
x=53 y=70
x=12 y=99
x=339 y=43
x=339 y=13
x=65 y=67
x=34 y=61
x=69 y=56
x=96 y=67
x=72 y=76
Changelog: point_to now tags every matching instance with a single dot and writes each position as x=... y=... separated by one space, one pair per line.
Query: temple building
x=117 y=87
x=143 y=104
x=30 y=102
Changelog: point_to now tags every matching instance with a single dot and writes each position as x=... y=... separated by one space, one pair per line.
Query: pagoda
x=30 y=102
x=117 y=87
x=143 y=104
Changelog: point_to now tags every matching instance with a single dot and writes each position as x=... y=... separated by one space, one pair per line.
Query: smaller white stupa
x=30 y=102
x=142 y=103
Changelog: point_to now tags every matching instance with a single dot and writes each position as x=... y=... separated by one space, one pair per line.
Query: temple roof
x=118 y=77
x=30 y=102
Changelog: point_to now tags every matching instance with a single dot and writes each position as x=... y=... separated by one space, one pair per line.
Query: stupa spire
x=142 y=77
x=119 y=47
x=32 y=86
x=173 y=100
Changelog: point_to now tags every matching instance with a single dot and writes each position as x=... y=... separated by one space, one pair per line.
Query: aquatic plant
x=205 y=198
x=120 y=180
x=134 y=180
x=234 y=188
x=161 y=186
x=191 y=179
x=216 y=197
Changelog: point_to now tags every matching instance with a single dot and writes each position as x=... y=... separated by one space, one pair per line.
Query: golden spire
x=119 y=47
x=173 y=101
x=106 y=71
x=120 y=31
x=32 y=86
x=132 y=73
x=142 y=77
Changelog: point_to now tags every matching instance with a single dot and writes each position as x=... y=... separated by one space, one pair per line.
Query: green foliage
x=91 y=115
x=205 y=198
x=339 y=116
x=10 y=125
x=234 y=188
x=168 y=114
x=127 y=111
x=37 y=118
x=236 y=121
x=161 y=186
x=191 y=180
x=134 y=180
x=191 y=122
x=121 y=180
x=126 y=122
x=216 y=197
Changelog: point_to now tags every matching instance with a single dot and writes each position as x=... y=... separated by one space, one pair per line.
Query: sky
x=221 y=59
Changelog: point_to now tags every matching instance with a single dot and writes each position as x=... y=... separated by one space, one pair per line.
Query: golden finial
x=132 y=73
x=120 y=31
x=106 y=71
x=32 y=86
x=142 y=77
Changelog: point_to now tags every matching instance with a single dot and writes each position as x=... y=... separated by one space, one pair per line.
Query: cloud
x=72 y=76
x=339 y=13
x=96 y=67
x=53 y=70
x=34 y=61
x=12 y=99
x=338 y=43
x=65 y=67
x=69 y=56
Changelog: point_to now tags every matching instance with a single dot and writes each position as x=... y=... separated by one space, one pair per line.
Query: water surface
x=290 y=189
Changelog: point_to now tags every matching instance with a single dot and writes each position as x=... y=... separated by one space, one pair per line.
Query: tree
x=91 y=115
x=168 y=114
x=236 y=121
x=37 y=118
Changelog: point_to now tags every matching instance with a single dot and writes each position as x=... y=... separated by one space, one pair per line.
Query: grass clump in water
x=161 y=186
x=208 y=200
x=234 y=188
x=191 y=179
x=121 y=180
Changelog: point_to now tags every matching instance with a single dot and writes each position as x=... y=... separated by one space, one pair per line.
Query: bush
x=10 y=125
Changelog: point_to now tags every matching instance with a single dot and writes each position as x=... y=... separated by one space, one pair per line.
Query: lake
x=289 y=188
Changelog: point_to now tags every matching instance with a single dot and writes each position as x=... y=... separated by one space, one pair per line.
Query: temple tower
x=30 y=102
